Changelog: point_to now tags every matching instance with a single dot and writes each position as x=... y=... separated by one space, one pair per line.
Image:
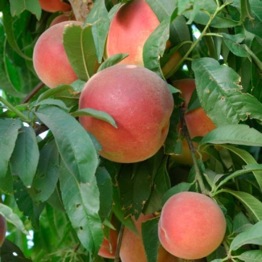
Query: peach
x=109 y=245
x=132 y=248
x=62 y=18
x=2 y=229
x=129 y=29
x=191 y=225
x=141 y=105
x=54 y=5
x=50 y=59
x=197 y=121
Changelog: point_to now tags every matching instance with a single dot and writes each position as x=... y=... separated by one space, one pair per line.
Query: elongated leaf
x=112 y=60
x=47 y=172
x=80 y=48
x=100 y=21
x=8 y=129
x=96 y=114
x=220 y=94
x=250 y=202
x=25 y=156
x=81 y=201
x=12 y=217
x=155 y=46
x=248 y=159
x=253 y=235
x=251 y=256
x=73 y=142
x=17 y=7
x=233 y=134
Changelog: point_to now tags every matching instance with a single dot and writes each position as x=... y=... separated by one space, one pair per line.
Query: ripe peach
x=132 y=248
x=50 y=59
x=129 y=29
x=191 y=225
x=54 y=5
x=62 y=18
x=141 y=105
x=2 y=229
x=197 y=121
x=108 y=246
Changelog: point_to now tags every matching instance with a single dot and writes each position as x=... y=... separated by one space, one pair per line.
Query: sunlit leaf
x=251 y=256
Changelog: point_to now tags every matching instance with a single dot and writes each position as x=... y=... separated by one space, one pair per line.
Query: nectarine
x=141 y=105
x=54 y=5
x=197 y=121
x=191 y=225
x=50 y=59
x=2 y=229
x=129 y=29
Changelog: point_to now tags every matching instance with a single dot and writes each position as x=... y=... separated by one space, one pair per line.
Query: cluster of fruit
x=191 y=225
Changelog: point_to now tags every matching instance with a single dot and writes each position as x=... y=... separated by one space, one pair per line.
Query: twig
x=33 y=92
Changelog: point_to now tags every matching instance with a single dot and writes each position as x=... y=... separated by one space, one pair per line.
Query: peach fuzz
x=2 y=229
x=191 y=225
x=141 y=105
x=50 y=59
x=197 y=121
x=109 y=245
x=54 y=5
x=129 y=29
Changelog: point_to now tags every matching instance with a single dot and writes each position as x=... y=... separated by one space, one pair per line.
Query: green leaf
x=233 y=134
x=251 y=256
x=253 y=235
x=73 y=142
x=253 y=205
x=112 y=60
x=96 y=114
x=12 y=218
x=8 y=129
x=162 y=8
x=18 y=7
x=256 y=8
x=150 y=239
x=52 y=102
x=47 y=173
x=25 y=156
x=233 y=42
x=248 y=159
x=105 y=186
x=81 y=202
x=220 y=94
x=155 y=46
x=99 y=19
x=80 y=49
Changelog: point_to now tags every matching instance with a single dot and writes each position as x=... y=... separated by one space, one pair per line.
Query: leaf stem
x=16 y=111
x=203 y=33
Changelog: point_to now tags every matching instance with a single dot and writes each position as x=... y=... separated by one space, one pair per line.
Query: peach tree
x=61 y=199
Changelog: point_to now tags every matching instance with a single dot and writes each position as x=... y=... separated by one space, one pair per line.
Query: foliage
x=55 y=188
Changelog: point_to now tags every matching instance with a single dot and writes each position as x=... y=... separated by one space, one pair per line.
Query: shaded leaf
x=251 y=256
x=12 y=218
x=253 y=235
x=25 y=156
x=162 y=8
x=8 y=128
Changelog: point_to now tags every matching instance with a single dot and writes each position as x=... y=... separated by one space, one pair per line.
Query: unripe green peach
x=191 y=225
x=141 y=105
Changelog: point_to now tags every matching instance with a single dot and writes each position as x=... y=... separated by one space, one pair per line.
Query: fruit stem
x=119 y=242
x=13 y=109
x=198 y=176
